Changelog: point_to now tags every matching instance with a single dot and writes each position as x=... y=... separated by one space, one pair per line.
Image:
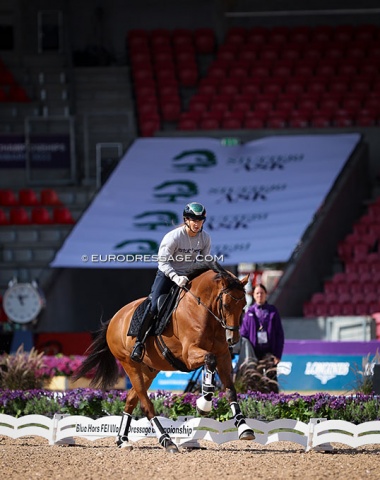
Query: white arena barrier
x=187 y=431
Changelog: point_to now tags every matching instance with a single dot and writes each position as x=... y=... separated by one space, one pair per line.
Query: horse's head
x=231 y=301
x=227 y=295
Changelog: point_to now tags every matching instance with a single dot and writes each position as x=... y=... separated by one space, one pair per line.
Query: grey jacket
x=178 y=251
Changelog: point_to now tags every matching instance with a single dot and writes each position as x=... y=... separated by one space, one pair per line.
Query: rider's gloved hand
x=180 y=280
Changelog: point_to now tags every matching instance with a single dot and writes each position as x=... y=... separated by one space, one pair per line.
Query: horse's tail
x=100 y=362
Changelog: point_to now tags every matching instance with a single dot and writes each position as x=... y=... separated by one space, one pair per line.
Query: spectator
x=262 y=336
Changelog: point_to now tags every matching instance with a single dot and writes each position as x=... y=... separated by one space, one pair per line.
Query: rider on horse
x=178 y=251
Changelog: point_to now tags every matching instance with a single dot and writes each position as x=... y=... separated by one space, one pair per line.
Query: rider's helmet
x=194 y=211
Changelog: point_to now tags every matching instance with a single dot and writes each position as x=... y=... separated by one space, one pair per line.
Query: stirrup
x=138 y=352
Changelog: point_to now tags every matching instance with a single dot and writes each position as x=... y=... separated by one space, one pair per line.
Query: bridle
x=219 y=299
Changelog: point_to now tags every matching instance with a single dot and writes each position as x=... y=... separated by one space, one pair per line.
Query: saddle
x=166 y=305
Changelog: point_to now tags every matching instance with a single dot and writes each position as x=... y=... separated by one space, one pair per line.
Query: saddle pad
x=137 y=319
x=164 y=314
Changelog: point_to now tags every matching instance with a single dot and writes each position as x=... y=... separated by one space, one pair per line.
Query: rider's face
x=195 y=225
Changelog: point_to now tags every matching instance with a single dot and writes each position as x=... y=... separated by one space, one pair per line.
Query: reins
x=220 y=319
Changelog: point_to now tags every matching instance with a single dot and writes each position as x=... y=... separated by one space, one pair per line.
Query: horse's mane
x=201 y=267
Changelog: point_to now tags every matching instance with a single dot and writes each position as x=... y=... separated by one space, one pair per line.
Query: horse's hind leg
x=204 y=403
x=141 y=378
x=122 y=440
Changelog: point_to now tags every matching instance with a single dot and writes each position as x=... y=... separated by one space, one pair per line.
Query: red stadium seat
x=361 y=309
x=232 y=123
x=343 y=288
x=3 y=217
x=48 y=196
x=149 y=124
x=300 y=34
x=330 y=287
x=8 y=198
x=276 y=120
x=188 y=75
x=62 y=215
x=321 y=310
x=254 y=123
x=339 y=277
x=187 y=124
x=41 y=216
x=318 y=297
x=308 y=310
x=170 y=110
x=334 y=309
x=331 y=297
x=204 y=40
x=348 y=309
x=28 y=197
x=209 y=123
x=182 y=36
x=296 y=120
x=320 y=121
x=19 y=216
x=17 y=94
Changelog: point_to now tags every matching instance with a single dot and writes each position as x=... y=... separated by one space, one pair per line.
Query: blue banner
x=319 y=372
x=296 y=373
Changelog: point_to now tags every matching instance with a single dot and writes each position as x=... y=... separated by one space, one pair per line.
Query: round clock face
x=22 y=303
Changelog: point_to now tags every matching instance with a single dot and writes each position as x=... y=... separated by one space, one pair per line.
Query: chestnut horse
x=204 y=323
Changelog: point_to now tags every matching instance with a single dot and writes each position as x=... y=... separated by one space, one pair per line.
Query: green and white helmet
x=194 y=211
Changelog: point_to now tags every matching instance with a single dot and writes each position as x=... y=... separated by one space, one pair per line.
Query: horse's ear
x=244 y=280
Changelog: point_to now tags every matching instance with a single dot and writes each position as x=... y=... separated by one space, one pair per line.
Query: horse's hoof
x=247 y=435
x=126 y=446
x=171 y=448
x=245 y=432
x=202 y=412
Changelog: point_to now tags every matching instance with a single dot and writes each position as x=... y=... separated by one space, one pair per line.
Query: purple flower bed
x=356 y=409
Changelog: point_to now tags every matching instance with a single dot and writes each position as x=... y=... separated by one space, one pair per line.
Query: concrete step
x=37 y=254
x=28 y=235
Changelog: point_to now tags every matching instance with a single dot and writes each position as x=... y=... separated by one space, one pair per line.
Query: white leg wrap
x=204 y=405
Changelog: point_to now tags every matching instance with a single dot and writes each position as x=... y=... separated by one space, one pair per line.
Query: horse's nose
x=232 y=338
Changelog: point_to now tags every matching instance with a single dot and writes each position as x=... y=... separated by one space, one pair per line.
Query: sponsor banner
x=295 y=373
x=319 y=372
x=46 y=151
x=141 y=428
x=260 y=198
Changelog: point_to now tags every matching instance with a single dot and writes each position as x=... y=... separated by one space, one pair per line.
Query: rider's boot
x=139 y=349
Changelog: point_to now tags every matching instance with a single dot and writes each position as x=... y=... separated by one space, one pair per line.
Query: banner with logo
x=46 y=151
x=260 y=197
x=306 y=365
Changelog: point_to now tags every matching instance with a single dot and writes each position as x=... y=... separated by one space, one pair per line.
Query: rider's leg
x=162 y=284
x=139 y=348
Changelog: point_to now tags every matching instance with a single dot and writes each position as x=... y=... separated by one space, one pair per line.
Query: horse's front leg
x=244 y=431
x=204 y=403
x=225 y=374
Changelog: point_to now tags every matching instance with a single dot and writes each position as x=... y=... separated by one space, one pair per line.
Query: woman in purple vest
x=262 y=328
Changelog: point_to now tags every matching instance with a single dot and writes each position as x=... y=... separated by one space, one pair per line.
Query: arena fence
x=187 y=431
